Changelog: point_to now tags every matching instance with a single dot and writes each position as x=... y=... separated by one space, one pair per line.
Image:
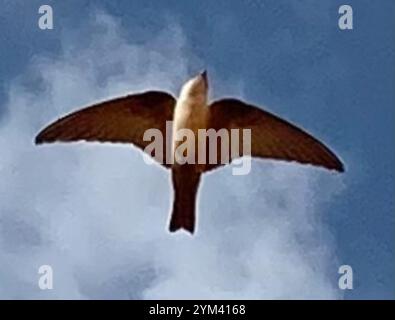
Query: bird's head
x=196 y=88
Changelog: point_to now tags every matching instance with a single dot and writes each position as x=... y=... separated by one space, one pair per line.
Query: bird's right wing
x=271 y=136
x=122 y=120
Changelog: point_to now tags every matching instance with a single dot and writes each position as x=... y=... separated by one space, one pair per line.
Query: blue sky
x=289 y=56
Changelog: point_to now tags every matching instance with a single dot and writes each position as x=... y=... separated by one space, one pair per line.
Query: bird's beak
x=204 y=76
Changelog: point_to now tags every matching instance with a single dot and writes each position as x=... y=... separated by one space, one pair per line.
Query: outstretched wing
x=122 y=120
x=271 y=136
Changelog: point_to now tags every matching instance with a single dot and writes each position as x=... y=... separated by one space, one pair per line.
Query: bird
x=126 y=119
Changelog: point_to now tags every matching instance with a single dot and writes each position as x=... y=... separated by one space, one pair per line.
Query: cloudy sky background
x=98 y=215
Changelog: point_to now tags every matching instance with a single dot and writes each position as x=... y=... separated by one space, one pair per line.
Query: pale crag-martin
x=127 y=119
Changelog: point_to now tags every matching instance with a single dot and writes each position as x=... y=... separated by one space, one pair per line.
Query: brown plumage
x=124 y=120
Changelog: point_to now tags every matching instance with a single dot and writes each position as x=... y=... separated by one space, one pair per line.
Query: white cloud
x=98 y=215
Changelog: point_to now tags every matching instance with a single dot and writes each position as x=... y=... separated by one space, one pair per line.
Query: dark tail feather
x=185 y=183
x=182 y=218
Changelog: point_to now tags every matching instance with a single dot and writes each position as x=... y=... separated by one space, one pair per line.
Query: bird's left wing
x=122 y=120
x=271 y=136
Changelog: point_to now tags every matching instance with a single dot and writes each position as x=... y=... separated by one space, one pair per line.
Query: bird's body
x=191 y=112
x=127 y=119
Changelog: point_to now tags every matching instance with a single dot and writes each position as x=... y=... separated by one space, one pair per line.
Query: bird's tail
x=186 y=183
x=182 y=218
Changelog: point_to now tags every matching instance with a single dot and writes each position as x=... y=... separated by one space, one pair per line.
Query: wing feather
x=121 y=120
x=271 y=136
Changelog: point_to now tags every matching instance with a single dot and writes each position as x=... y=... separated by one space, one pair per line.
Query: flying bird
x=126 y=119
